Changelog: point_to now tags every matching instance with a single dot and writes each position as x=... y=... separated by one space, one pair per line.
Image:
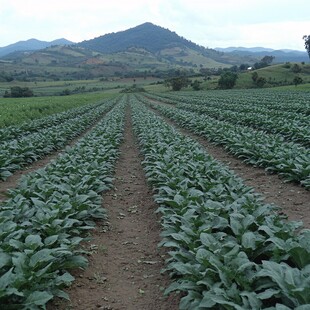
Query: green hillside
x=275 y=75
x=145 y=53
x=158 y=41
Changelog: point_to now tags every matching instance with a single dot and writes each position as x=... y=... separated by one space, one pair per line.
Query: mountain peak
x=147 y=35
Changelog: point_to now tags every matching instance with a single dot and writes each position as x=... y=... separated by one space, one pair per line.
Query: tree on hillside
x=261 y=81
x=307 y=43
x=177 y=83
x=297 y=80
x=295 y=68
x=267 y=59
x=254 y=76
x=196 y=85
x=227 y=80
x=17 y=92
x=264 y=62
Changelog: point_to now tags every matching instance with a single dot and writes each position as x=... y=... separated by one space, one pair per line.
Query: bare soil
x=126 y=263
x=293 y=199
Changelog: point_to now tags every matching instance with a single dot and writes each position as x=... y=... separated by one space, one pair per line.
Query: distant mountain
x=282 y=55
x=146 y=49
x=31 y=45
x=148 y=36
x=245 y=49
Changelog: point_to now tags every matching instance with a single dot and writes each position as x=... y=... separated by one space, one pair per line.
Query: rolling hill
x=280 y=56
x=144 y=50
x=31 y=45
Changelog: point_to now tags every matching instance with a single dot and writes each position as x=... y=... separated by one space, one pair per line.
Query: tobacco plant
x=227 y=248
x=46 y=217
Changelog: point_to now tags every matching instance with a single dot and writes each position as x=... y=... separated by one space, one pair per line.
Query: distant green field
x=18 y=110
x=302 y=87
x=55 y=88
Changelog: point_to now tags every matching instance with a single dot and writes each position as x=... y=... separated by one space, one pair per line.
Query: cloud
x=206 y=22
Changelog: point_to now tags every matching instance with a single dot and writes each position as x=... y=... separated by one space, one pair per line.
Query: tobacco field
x=226 y=247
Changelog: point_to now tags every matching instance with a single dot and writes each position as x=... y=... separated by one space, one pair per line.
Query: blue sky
x=220 y=23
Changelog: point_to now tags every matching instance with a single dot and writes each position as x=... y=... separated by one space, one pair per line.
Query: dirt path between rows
x=125 y=267
x=293 y=199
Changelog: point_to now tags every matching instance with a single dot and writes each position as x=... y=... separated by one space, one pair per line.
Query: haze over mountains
x=31 y=45
x=282 y=55
x=162 y=44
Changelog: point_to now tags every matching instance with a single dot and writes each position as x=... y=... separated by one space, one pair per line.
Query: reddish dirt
x=125 y=267
x=293 y=199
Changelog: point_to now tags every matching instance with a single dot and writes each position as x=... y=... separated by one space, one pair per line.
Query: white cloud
x=276 y=23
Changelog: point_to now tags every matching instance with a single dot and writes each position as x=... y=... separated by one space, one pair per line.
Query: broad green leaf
x=66 y=278
x=51 y=240
x=7 y=279
x=248 y=240
x=208 y=240
x=235 y=225
x=268 y=294
x=252 y=299
x=5 y=259
x=34 y=241
x=38 y=298
x=42 y=256
x=300 y=256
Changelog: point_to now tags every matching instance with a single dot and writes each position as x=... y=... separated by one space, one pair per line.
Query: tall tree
x=227 y=80
x=307 y=43
x=177 y=83
x=267 y=60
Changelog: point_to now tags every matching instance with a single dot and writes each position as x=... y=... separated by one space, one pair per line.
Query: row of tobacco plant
x=46 y=217
x=228 y=249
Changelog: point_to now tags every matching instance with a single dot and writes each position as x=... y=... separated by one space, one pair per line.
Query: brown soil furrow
x=125 y=268
x=293 y=199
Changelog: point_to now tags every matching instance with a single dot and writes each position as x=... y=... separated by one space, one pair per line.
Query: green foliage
x=233 y=130
x=177 y=83
x=264 y=62
x=227 y=249
x=261 y=81
x=267 y=60
x=297 y=80
x=65 y=92
x=196 y=85
x=258 y=80
x=29 y=142
x=133 y=89
x=21 y=110
x=296 y=68
x=46 y=217
x=17 y=92
x=227 y=80
x=254 y=76
x=5 y=77
x=275 y=75
x=307 y=43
